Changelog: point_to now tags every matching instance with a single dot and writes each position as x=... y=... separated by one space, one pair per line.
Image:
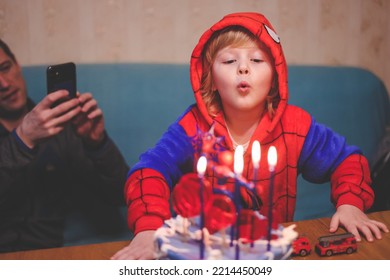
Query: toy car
x=301 y=246
x=336 y=244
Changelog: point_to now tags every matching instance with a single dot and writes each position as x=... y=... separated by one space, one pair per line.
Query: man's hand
x=89 y=123
x=44 y=121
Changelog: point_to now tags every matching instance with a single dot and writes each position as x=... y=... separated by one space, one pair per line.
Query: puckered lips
x=243 y=87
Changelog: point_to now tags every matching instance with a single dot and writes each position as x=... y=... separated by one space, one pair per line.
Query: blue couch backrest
x=139 y=102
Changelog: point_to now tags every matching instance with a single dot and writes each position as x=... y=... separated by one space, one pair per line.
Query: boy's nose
x=243 y=70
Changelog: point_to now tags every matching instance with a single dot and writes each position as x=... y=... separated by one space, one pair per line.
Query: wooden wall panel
x=327 y=32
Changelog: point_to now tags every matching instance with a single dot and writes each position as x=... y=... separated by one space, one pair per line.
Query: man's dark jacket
x=38 y=186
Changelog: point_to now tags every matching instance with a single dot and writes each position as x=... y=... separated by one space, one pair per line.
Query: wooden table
x=313 y=229
x=377 y=250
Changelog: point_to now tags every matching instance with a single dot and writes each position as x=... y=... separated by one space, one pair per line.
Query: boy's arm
x=325 y=156
x=150 y=181
x=351 y=183
x=147 y=197
x=353 y=195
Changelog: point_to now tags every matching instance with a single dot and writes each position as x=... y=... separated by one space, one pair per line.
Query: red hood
x=262 y=28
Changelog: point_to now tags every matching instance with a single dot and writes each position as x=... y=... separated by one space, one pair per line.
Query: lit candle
x=201 y=168
x=272 y=160
x=238 y=168
x=256 y=156
x=239 y=160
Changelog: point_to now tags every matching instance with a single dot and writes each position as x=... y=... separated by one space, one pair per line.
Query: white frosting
x=181 y=237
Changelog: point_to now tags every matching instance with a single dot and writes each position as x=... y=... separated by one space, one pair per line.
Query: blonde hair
x=233 y=36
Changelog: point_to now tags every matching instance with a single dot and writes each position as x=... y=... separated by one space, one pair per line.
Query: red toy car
x=301 y=246
x=336 y=244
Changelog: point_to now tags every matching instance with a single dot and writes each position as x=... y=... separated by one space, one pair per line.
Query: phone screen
x=62 y=76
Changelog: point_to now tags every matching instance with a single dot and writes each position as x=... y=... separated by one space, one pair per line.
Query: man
x=48 y=156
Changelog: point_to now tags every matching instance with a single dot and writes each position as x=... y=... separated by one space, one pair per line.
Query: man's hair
x=7 y=50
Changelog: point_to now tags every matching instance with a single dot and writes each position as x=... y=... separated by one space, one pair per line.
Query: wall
x=330 y=32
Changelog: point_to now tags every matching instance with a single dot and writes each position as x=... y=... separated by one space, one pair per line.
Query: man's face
x=13 y=96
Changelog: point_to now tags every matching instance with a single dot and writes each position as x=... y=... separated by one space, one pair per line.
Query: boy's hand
x=356 y=222
x=140 y=248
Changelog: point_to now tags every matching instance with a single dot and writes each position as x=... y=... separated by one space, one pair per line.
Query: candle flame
x=272 y=158
x=256 y=154
x=239 y=160
x=201 y=166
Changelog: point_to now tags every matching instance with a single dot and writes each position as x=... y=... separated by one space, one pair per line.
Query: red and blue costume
x=303 y=147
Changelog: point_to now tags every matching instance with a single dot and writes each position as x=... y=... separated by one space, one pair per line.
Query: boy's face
x=12 y=86
x=243 y=77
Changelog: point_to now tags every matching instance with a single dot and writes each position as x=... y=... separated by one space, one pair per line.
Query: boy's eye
x=230 y=61
x=257 y=60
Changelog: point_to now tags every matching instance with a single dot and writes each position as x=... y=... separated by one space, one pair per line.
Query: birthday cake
x=211 y=222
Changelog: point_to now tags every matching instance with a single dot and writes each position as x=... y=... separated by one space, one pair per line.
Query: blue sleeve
x=172 y=156
x=322 y=152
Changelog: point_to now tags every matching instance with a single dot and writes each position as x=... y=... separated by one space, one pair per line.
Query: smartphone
x=62 y=76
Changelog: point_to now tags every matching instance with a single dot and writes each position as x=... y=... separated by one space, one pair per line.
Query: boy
x=239 y=77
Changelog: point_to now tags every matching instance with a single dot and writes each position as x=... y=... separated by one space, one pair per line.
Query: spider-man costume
x=303 y=146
